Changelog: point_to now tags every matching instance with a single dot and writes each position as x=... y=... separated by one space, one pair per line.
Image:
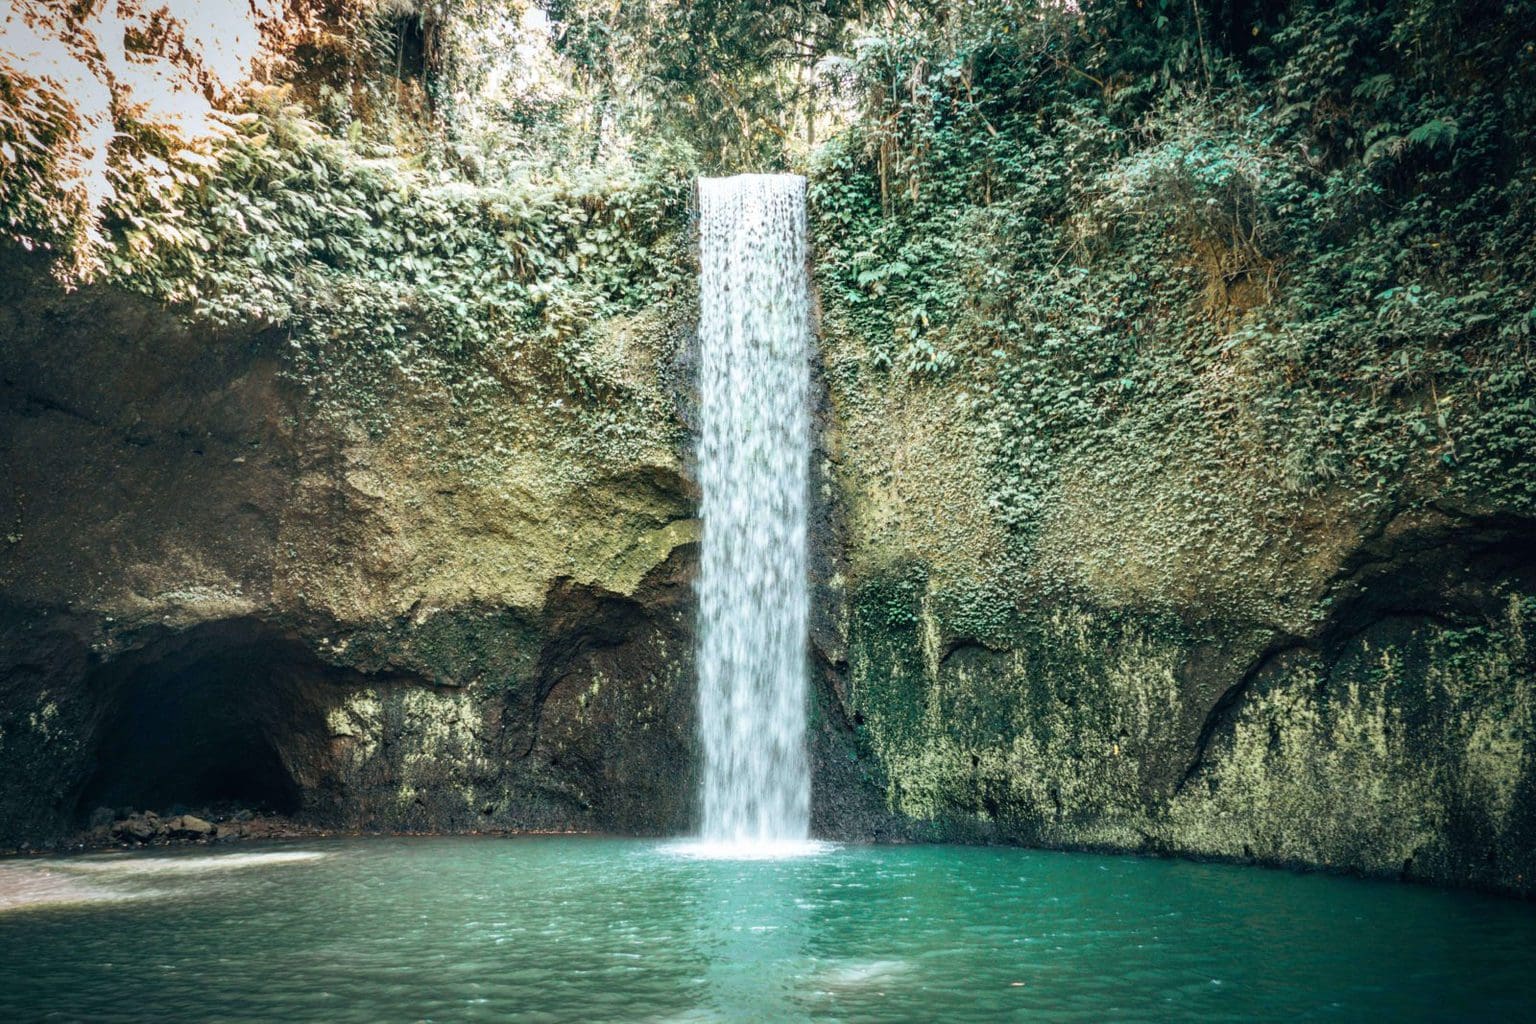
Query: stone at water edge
x=138 y=828
x=189 y=826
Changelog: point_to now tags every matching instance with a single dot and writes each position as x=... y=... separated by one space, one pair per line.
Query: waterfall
x=754 y=464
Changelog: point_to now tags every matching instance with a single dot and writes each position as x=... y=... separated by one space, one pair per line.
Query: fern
x=1437 y=133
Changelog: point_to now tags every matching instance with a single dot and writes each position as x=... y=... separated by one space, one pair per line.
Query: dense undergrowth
x=378 y=270
x=394 y=236
x=1306 y=271
x=1292 y=242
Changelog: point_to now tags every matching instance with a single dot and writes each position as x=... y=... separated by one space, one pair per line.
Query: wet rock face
x=237 y=711
x=218 y=586
x=1384 y=724
x=1169 y=653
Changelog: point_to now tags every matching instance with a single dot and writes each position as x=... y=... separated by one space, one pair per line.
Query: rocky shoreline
x=144 y=830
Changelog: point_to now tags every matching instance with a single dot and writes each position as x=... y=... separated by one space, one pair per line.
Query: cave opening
x=221 y=717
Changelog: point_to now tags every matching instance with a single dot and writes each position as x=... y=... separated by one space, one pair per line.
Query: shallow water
x=581 y=929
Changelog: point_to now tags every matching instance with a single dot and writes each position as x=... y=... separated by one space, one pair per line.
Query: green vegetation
x=378 y=271
x=1309 y=262
x=360 y=222
x=1147 y=326
x=1232 y=260
x=1219 y=296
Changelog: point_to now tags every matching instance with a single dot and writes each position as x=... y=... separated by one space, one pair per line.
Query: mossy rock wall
x=454 y=602
x=445 y=596
x=1333 y=684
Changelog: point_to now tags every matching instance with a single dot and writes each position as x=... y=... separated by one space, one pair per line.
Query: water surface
x=582 y=929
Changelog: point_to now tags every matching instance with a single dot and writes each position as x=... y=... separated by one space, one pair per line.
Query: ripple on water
x=484 y=931
x=81 y=881
x=130 y=864
x=24 y=886
x=854 y=974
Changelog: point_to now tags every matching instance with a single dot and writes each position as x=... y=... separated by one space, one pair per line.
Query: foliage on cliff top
x=98 y=101
x=374 y=207
x=1180 y=245
x=1221 y=267
x=293 y=228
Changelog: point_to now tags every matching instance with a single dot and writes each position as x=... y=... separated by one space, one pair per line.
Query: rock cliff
x=459 y=608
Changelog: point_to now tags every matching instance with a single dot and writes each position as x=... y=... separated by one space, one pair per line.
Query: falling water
x=754 y=460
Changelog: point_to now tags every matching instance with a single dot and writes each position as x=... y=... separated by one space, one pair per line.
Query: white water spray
x=754 y=464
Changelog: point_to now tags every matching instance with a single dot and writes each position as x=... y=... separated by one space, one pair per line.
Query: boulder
x=136 y=828
x=189 y=826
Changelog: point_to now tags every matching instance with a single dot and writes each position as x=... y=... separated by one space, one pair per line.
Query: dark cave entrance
x=224 y=716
